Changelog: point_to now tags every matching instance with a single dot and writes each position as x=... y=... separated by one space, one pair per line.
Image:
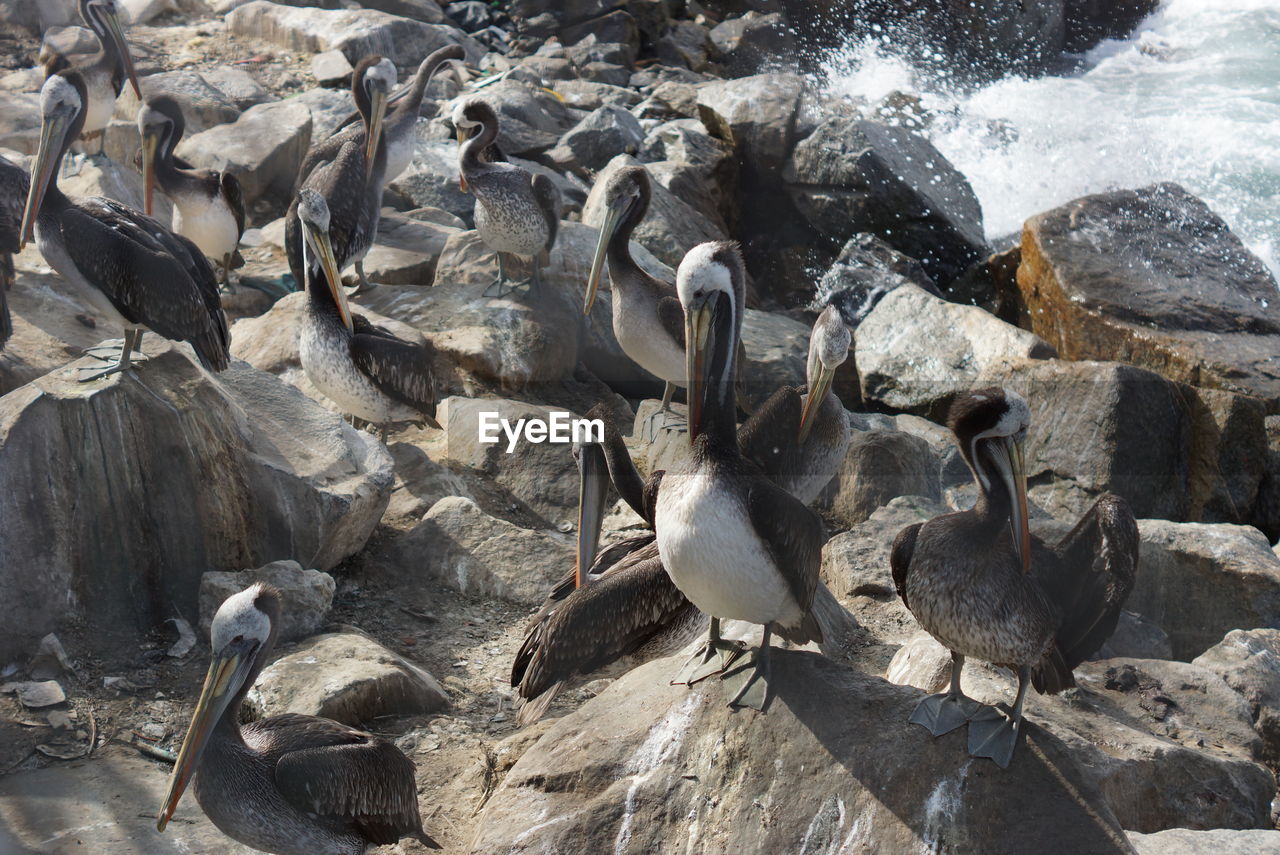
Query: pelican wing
x=671 y=315
x=400 y=370
x=770 y=437
x=547 y=194
x=793 y=535
x=338 y=772
x=6 y=322
x=904 y=546
x=235 y=198
x=14 y=184
x=335 y=169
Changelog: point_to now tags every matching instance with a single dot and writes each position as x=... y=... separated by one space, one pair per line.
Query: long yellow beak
x=332 y=276
x=611 y=216
x=117 y=35
x=149 y=142
x=213 y=700
x=817 y=394
x=593 y=488
x=697 y=328
x=462 y=179
x=52 y=131
x=1013 y=471
x=379 y=112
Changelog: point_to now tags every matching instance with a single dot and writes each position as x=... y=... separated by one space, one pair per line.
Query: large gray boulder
x=603 y=133
x=263 y=149
x=432 y=180
x=1219 y=841
x=879 y=466
x=163 y=475
x=758 y=113
x=530 y=120
x=866 y=269
x=1249 y=661
x=305 y=595
x=203 y=104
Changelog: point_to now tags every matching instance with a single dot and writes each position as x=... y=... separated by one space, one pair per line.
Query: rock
x=38 y=15
x=237 y=86
x=35 y=695
x=1249 y=662
x=914 y=351
x=862 y=176
x=879 y=466
x=530 y=120
x=420 y=482
x=1220 y=841
x=758 y=113
x=331 y=68
x=50 y=660
x=469 y=15
x=866 y=269
x=202 y=473
x=586 y=95
x=695 y=166
x=203 y=105
x=67 y=41
x=305 y=595
x=468 y=550
x=432 y=180
x=1090 y=21
x=589 y=145
x=670 y=228
x=1136 y=637
x=776 y=349
x=1200 y=581
x=615 y=28
x=652 y=762
x=406 y=250
x=355 y=32
x=752 y=41
x=142 y=11
x=687 y=43
x=329 y=107
x=348 y=677
x=99 y=177
x=611 y=73
x=419 y=10
x=263 y=148
x=20 y=121
x=855 y=563
x=1154 y=278
x=1267 y=506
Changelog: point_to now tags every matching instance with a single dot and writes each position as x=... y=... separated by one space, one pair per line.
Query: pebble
x=36 y=694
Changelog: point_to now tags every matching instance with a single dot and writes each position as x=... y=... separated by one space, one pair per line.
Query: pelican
x=104 y=72
x=647 y=318
x=207 y=205
x=400 y=125
x=14 y=186
x=347 y=169
x=737 y=545
x=135 y=270
x=799 y=436
x=290 y=784
x=362 y=368
x=617 y=605
x=516 y=213
x=979 y=583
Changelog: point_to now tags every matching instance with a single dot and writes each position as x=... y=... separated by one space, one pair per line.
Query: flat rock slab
x=348 y=677
x=834 y=765
x=1154 y=278
x=1221 y=841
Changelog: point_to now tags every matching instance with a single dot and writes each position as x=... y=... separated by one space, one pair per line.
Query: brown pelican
x=648 y=320
x=400 y=126
x=135 y=269
x=347 y=169
x=207 y=205
x=104 y=72
x=362 y=368
x=800 y=435
x=735 y=543
x=290 y=784
x=615 y=605
x=14 y=186
x=516 y=213
x=979 y=583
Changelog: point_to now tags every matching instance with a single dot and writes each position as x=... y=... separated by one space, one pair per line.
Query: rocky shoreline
x=1144 y=335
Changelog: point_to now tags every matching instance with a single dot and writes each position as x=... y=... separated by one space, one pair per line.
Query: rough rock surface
x=305 y=595
x=880 y=466
x=1185 y=841
x=1249 y=661
x=758 y=114
x=263 y=148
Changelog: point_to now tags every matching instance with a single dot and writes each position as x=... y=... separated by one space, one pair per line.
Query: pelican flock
x=726 y=536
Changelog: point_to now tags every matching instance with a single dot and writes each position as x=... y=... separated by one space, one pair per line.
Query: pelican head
x=626 y=198
x=711 y=282
x=991 y=426
x=471 y=117
x=103 y=18
x=313 y=214
x=828 y=349
x=243 y=631
x=62 y=101
x=160 y=124
x=373 y=79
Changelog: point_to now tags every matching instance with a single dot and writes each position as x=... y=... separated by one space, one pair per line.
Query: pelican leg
x=123 y=362
x=671 y=420
x=499 y=288
x=752 y=677
x=993 y=734
x=943 y=713
x=712 y=658
x=225 y=279
x=363 y=285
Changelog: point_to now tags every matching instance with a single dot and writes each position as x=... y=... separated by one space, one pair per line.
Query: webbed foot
x=994 y=735
x=944 y=712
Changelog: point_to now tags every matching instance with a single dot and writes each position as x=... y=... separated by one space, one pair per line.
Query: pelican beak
x=117 y=36
x=149 y=142
x=379 y=112
x=462 y=179
x=697 y=333
x=817 y=394
x=226 y=673
x=52 y=136
x=593 y=489
x=612 y=215
x=329 y=267
x=1012 y=466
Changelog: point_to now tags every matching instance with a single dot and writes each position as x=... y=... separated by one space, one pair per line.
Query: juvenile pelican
x=800 y=435
x=105 y=72
x=136 y=270
x=290 y=784
x=207 y=205
x=982 y=586
x=347 y=170
x=737 y=545
x=14 y=186
x=516 y=213
x=362 y=368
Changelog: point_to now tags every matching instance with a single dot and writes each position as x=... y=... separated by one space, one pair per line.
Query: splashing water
x=1193 y=97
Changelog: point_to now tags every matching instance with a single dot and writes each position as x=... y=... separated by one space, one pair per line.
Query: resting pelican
x=516 y=213
x=207 y=205
x=737 y=545
x=290 y=784
x=135 y=270
x=362 y=368
x=979 y=583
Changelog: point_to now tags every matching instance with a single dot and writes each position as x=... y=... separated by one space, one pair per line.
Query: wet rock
x=848 y=177
x=879 y=466
x=1249 y=661
x=355 y=32
x=865 y=271
x=305 y=595
x=589 y=145
x=753 y=41
x=670 y=228
x=758 y=114
x=263 y=148
x=348 y=677
x=406 y=251
x=475 y=553
x=671 y=761
x=203 y=473
x=1090 y=21
x=203 y=105
x=1154 y=278
x=914 y=351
